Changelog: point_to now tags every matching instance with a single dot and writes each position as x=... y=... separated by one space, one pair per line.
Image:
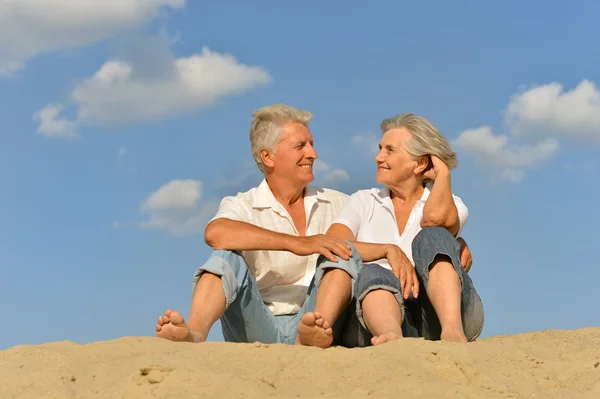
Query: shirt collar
x=264 y=198
x=382 y=195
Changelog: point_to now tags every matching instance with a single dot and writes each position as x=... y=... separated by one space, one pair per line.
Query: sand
x=548 y=364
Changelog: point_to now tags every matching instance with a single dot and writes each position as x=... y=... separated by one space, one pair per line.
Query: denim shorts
x=247 y=318
x=419 y=316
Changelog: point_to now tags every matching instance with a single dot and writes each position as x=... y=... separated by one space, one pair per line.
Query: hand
x=466 y=259
x=404 y=270
x=321 y=244
x=437 y=166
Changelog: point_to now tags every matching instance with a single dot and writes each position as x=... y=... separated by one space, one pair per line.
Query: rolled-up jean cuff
x=377 y=285
x=350 y=266
x=453 y=259
x=220 y=267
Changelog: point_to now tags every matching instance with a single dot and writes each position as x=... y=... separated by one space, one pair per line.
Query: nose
x=311 y=153
x=379 y=157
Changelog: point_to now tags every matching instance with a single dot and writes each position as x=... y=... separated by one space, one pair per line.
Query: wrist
x=390 y=249
x=289 y=242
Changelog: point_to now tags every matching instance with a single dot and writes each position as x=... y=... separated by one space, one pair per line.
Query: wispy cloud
x=551 y=110
x=326 y=175
x=537 y=118
x=176 y=208
x=32 y=27
x=120 y=93
x=500 y=151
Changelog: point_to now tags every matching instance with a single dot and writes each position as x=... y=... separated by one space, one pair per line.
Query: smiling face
x=295 y=154
x=394 y=163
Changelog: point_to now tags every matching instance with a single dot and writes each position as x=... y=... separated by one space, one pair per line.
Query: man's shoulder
x=242 y=198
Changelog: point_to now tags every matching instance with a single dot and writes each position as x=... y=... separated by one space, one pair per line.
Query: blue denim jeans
x=247 y=318
x=419 y=316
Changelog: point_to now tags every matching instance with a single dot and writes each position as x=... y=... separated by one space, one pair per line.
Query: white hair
x=267 y=128
x=426 y=138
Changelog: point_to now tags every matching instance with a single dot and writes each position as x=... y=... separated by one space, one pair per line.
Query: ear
x=267 y=158
x=423 y=164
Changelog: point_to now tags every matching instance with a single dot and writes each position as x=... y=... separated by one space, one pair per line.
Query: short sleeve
x=463 y=213
x=351 y=214
x=233 y=208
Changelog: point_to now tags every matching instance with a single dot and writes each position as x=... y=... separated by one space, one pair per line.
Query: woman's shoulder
x=368 y=195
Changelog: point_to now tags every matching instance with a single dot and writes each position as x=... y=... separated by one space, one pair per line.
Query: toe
x=176 y=319
x=308 y=319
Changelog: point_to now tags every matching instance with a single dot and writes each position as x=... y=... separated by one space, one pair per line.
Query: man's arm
x=440 y=209
x=235 y=235
x=370 y=252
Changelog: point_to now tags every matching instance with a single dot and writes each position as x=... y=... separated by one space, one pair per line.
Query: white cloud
x=549 y=109
x=175 y=207
x=51 y=125
x=116 y=224
x=513 y=175
x=329 y=176
x=498 y=151
x=32 y=27
x=122 y=152
x=368 y=142
x=116 y=93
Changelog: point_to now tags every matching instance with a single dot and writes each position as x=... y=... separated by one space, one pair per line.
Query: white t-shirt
x=282 y=277
x=370 y=215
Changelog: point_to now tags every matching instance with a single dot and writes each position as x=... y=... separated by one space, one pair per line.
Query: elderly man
x=262 y=279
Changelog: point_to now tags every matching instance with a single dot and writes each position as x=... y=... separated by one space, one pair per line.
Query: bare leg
x=382 y=316
x=332 y=298
x=444 y=292
x=208 y=305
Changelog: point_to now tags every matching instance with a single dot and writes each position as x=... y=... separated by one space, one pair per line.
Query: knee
x=431 y=242
x=429 y=236
x=375 y=277
x=352 y=266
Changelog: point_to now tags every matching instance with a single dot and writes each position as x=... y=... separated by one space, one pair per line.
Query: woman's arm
x=370 y=252
x=440 y=209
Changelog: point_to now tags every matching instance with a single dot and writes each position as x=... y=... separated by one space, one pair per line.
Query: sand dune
x=557 y=364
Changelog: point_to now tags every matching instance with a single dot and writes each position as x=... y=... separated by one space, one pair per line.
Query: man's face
x=295 y=154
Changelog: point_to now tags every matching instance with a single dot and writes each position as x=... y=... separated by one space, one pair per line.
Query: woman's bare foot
x=382 y=339
x=173 y=327
x=313 y=330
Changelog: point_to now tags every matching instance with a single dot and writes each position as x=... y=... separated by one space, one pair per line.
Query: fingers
x=467 y=263
x=327 y=253
x=340 y=248
x=416 y=286
x=406 y=282
x=332 y=246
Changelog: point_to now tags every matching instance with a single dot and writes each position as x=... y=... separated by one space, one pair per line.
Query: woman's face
x=394 y=164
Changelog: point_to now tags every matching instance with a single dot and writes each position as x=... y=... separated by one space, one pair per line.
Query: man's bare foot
x=173 y=327
x=453 y=336
x=382 y=339
x=313 y=330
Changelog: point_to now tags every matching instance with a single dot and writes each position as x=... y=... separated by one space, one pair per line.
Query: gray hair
x=267 y=128
x=426 y=138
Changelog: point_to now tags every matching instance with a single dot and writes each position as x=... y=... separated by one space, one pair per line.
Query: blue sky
x=124 y=123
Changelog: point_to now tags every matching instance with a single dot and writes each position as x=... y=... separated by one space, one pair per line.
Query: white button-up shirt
x=282 y=277
x=370 y=215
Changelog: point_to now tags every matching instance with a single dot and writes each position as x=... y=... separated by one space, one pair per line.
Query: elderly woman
x=412 y=282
